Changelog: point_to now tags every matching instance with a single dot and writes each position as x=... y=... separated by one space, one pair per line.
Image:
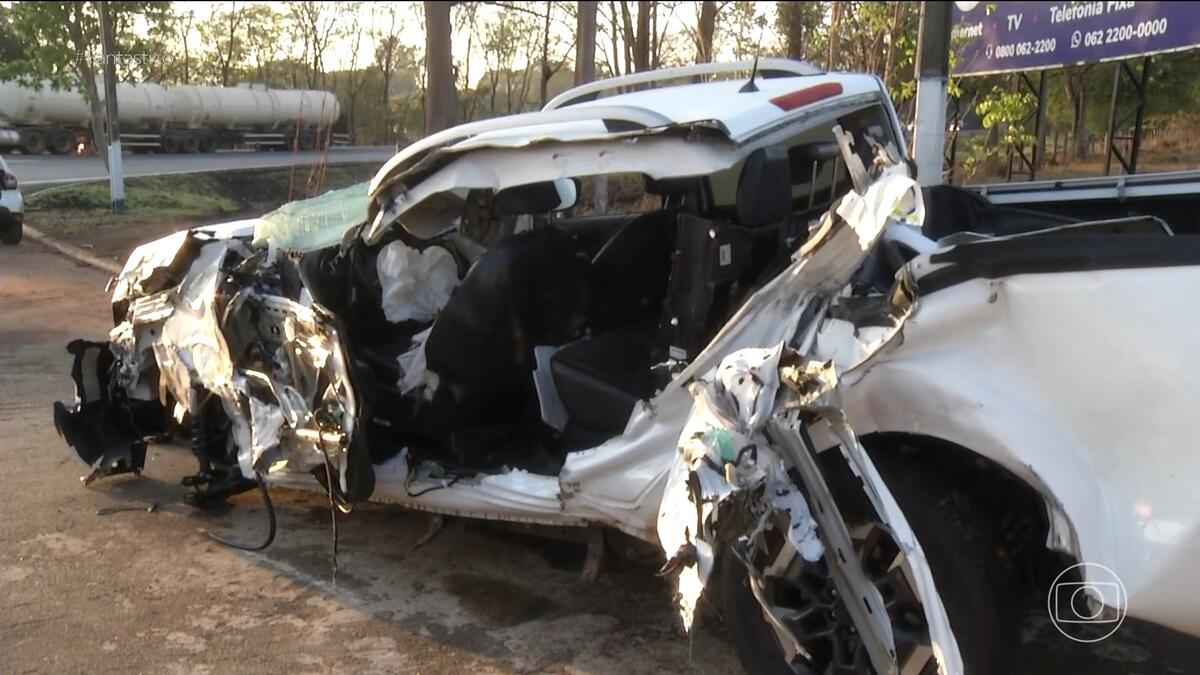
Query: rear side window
x=614 y=194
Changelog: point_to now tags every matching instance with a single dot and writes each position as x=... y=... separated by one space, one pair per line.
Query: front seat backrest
x=528 y=290
x=764 y=190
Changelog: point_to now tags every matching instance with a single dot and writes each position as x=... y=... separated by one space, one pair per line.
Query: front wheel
x=976 y=591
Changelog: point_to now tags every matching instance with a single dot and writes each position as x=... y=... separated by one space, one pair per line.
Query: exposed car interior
x=560 y=305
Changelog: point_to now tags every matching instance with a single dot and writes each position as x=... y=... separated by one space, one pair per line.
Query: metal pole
x=933 y=64
x=116 y=176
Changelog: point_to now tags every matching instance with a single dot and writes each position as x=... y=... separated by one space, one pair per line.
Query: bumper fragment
x=100 y=425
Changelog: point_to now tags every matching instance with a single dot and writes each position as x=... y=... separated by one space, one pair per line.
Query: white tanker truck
x=185 y=118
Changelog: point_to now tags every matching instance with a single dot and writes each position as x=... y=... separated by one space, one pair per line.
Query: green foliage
x=1006 y=109
x=61 y=40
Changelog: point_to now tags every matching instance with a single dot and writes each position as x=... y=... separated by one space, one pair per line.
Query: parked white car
x=707 y=315
x=12 y=206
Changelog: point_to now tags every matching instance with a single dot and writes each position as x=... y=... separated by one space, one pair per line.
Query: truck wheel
x=208 y=143
x=10 y=233
x=33 y=142
x=190 y=144
x=169 y=144
x=60 y=142
x=305 y=141
x=960 y=549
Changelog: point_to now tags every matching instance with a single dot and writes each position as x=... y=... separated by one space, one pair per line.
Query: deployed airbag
x=415 y=285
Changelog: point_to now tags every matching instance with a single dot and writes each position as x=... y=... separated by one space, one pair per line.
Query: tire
x=958 y=544
x=10 y=233
x=60 y=142
x=169 y=144
x=208 y=143
x=306 y=141
x=190 y=144
x=33 y=142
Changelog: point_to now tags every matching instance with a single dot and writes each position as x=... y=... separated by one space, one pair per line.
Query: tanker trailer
x=42 y=118
x=185 y=118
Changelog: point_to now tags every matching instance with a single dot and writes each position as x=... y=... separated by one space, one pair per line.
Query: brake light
x=803 y=97
x=8 y=181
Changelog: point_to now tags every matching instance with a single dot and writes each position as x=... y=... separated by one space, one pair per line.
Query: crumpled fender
x=748 y=428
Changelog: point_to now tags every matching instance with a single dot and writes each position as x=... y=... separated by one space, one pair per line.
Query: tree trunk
x=628 y=37
x=616 y=65
x=544 y=76
x=834 y=26
x=795 y=32
x=706 y=30
x=228 y=60
x=893 y=35
x=641 y=52
x=439 y=92
x=1082 y=146
x=585 y=42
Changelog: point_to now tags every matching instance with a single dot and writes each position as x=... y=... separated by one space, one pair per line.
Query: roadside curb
x=74 y=252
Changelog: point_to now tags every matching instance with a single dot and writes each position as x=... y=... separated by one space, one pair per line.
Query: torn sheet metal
x=725 y=458
x=729 y=481
x=817 y=392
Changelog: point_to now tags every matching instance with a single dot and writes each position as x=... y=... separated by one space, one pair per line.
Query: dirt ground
x=149 y=592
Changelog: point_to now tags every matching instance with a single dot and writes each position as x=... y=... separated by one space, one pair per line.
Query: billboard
x=1000 y=37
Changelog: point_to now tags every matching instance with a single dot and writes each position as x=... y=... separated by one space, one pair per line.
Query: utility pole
x=933 y=66
x=116 y=176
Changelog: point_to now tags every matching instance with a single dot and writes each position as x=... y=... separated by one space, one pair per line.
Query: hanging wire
x=262 y=488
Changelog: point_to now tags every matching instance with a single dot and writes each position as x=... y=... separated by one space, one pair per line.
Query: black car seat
x=530 y=289
x=630 y=272
x=600 y=380
x=717 y=263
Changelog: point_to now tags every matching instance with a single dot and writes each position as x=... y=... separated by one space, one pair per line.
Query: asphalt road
x=45 y=170
x=137 y=591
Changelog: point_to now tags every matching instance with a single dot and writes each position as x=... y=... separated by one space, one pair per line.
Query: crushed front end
x=218 y=343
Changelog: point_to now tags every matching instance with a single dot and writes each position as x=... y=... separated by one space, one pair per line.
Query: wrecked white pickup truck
x=707 y=315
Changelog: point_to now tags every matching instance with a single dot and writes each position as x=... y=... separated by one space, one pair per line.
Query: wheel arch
x=1022 y=514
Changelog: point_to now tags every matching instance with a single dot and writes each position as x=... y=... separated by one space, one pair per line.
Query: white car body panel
x=1002 y=367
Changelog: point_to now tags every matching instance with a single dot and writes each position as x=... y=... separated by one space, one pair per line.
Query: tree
x=263 y=26
x=834 y=27
x=229 y=22
x=705 y=31
x=439 y=91
x=182 y=24
x=314 y=23
x=60 y=42
x=585 y=42
x=1075 y=85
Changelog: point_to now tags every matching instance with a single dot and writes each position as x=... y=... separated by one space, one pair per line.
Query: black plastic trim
x=1062 y=253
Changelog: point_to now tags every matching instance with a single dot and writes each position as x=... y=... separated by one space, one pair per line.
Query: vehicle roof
x=581 y=114
x=738 y=113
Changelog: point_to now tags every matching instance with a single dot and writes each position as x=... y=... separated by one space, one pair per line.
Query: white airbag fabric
x=415 y=284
